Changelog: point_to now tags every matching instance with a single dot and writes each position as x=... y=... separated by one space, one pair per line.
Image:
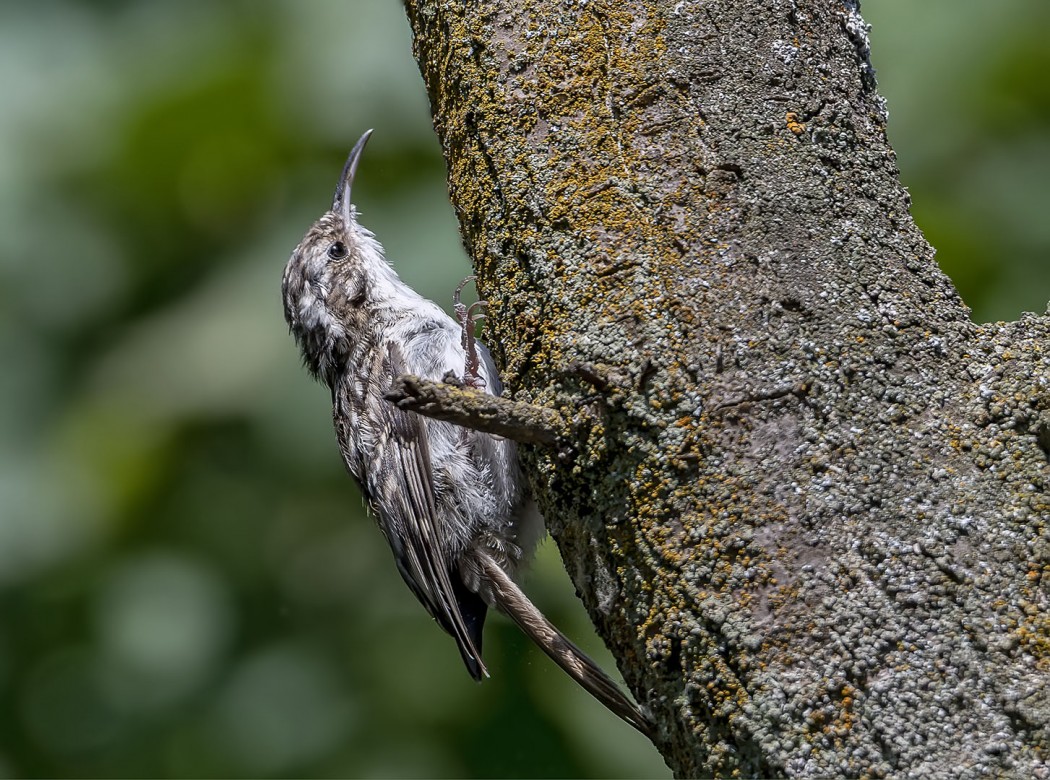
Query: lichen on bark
x=808 y=512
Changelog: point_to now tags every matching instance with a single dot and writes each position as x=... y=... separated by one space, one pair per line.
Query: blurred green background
x=188 y=585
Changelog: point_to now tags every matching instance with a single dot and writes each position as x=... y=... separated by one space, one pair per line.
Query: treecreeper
x=451 y=501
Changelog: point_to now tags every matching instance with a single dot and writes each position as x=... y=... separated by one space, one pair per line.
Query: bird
x=452 y=502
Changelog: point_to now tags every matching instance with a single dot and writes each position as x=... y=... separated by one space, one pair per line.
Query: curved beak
x=341 y=201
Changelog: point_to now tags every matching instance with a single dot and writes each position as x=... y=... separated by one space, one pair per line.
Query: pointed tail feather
x=513 y=602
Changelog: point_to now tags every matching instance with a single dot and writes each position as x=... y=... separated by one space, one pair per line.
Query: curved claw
x=468 y=317
x=475 y=313
x=457 y=300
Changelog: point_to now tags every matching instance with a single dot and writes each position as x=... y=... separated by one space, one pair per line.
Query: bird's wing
x=400 y=485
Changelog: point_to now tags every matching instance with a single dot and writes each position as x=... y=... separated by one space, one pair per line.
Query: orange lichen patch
x=1034 y=635
x=845 y=718
x=795 y=123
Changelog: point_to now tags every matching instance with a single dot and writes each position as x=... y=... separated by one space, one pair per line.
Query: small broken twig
x=462 y=405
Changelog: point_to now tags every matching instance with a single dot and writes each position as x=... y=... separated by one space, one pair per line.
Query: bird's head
x=329 y=278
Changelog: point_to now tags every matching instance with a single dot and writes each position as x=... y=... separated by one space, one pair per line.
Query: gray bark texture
x=805 y=499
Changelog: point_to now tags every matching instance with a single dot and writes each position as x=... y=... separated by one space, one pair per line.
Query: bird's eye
x=337 y=251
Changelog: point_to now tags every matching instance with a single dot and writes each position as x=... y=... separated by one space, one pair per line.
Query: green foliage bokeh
x=188 y=583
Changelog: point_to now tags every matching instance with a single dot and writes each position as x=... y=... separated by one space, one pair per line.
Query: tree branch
x=520 y=422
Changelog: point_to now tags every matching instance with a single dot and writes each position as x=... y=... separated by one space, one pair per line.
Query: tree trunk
x=808 y=507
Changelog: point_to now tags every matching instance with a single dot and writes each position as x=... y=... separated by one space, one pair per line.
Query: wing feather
x=402 y=481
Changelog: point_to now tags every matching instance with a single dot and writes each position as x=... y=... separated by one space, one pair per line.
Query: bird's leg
x=468 y=317
x=458 y=306
x=471 y=374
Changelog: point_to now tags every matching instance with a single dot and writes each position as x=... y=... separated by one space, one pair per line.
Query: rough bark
x=807 y=506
